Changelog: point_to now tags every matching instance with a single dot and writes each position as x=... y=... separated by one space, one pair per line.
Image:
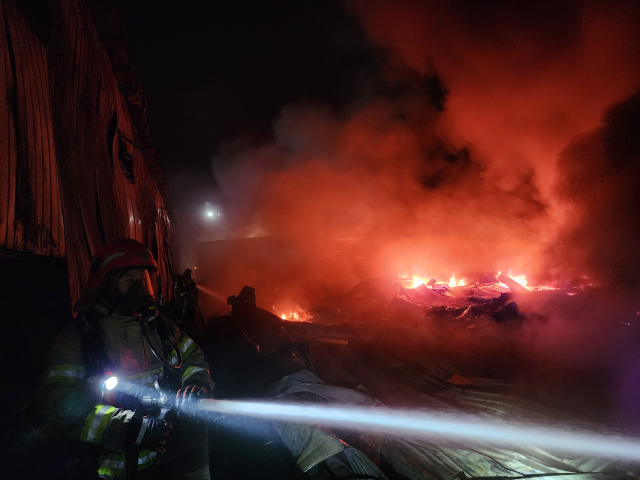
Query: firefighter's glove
x=151 y=433
x=187 y=399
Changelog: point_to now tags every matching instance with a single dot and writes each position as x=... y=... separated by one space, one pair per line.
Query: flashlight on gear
x=129 y=395
x=111 y=383
x=109 y=389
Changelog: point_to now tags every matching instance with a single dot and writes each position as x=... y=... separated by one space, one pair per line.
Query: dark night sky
x=211 y=71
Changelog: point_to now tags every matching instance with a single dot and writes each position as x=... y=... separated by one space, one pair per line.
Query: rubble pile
x=424 y=348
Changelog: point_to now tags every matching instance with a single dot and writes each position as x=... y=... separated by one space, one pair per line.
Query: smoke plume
x=599 y=181
x=494 y=145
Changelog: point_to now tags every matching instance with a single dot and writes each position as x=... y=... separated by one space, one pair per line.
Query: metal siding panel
x=84 y=160
x=50 y=238
x=53 y=154
x=40 y=235
x=6 y=133
x=33 y=197
x=53 y=61
x=105 y=190
x=21 y=128
x=25 y=197
x=64 y=104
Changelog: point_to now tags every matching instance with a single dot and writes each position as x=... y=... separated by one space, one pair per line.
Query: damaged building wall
x=77 y=168
x=30 y=203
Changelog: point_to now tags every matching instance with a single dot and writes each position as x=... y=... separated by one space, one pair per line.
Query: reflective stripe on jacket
x=70 y=403
x=113 y=464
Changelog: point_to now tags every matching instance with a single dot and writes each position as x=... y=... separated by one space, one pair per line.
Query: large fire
x=527 y=158
x=292 y=313
x=521 y=279
x=499 y=159
x=432 y=282
x=496 y=157
x=444 y=291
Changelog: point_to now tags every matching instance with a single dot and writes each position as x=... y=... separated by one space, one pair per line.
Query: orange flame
x=294 y=316
x=521 y=279
x=417 y=281
x=454 y=282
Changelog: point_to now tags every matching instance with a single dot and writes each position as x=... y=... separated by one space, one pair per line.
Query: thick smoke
x=600 y=181
x=525 y=80
x=487 y=151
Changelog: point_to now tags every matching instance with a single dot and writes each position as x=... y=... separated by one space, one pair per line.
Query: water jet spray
x=451 y=426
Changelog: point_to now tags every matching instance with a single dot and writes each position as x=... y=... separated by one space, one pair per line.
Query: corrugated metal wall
x=70 y=153
x=30 y=218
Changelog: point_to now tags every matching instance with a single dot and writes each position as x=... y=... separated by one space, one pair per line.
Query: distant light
x=111 y=383
x=195 y=268
x=210 y=211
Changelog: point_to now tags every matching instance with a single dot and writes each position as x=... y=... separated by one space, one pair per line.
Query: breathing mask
x=134 y=292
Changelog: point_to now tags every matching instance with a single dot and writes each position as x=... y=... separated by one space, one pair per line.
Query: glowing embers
x=509 y=281
x=433 y=283
x=292 y=314
x=454 y=293
x=295 y=317
x=417 y=281
x=521 y=279
x=453 y=283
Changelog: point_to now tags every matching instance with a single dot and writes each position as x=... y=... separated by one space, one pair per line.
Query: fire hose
x=414 y=424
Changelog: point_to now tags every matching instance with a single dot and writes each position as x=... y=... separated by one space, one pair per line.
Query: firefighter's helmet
x=121 y=253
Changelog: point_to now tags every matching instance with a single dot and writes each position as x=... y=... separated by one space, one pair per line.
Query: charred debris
x=384 y=345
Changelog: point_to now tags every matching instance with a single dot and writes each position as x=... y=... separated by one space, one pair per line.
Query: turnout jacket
x=70 y=402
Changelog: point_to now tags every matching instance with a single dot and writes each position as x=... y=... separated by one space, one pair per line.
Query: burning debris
x=375 y=300
x=493 y=298
x=495 y=143
x=421 y=348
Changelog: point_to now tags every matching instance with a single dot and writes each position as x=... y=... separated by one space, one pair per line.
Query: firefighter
x=187 y=298
x=117 y=332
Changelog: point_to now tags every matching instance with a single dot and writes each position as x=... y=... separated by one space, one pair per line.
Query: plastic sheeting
x=304 y=381
x=423 y=460
x=352 y=461
x=418 y=363
x=309 y=444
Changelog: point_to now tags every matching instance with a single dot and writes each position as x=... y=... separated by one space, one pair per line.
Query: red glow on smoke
x=481 y=186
